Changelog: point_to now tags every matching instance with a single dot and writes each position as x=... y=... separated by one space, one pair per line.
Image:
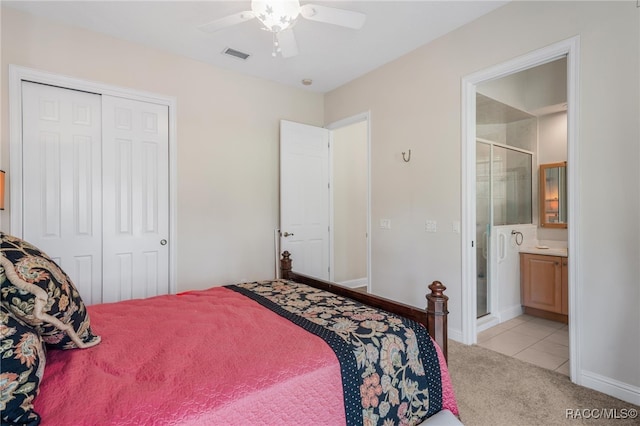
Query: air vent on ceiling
x=236 y=53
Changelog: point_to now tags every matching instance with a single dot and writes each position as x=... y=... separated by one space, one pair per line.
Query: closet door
x=62 y=181
x=135 y=159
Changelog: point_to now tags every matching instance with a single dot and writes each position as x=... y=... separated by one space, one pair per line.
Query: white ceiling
x=329 y=55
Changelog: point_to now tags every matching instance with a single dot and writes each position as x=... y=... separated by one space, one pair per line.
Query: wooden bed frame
x=434 y=318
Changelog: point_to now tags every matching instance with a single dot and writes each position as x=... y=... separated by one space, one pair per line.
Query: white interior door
x=304 y=197
x=136 y=198
x=62 y=181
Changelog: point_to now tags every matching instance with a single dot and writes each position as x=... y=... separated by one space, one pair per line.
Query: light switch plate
x=385 y=223
x=431 y=226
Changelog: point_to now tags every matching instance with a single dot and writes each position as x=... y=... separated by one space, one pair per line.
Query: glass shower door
x=511 y=175
x=503 y=197
x=483 y=226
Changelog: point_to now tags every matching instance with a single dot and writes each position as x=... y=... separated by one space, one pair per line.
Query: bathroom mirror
x=553 y=195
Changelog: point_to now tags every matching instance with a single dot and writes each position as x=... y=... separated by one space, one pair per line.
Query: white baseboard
x=510 y=313
x=454 y=334
x=358 y=282
x=491 y=320
x=486 y=322
x=615 y=388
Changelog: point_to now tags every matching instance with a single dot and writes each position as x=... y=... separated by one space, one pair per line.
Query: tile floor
x=535 y=340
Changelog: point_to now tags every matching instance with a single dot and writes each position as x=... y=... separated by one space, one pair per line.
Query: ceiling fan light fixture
x=279 y=16
x=276 y=15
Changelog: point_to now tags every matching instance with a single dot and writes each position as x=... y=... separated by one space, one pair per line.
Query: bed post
x=437 y=315
x=285 y=265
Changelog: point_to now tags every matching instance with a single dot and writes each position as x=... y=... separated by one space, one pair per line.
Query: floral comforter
x=389 y=364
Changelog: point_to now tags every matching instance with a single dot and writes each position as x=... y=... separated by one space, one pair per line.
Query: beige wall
x=552 y=148
x=533 y=89
x=227 y=127
x=415 y=103
x=552 y=138
x=349 y=163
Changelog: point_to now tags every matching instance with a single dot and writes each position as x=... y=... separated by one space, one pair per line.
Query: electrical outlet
x=455 y=226
x=431 y=226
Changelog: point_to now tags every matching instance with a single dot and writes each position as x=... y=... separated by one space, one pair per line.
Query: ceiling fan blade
x=287 y=43
x=227 y=21
x=331 y=15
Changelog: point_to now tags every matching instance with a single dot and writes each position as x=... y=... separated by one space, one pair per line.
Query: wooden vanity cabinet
x=565 y=288
x=543 y=286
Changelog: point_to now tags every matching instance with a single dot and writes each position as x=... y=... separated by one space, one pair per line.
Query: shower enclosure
x=503 y=197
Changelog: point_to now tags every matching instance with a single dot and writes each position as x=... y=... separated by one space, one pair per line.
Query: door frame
x=569 y=48
x=357 y=118
x=18 y=74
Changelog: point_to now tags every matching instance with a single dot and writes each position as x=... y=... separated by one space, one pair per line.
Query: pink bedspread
x=200 y=358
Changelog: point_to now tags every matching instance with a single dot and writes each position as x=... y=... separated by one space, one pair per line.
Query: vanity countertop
x=549 y=251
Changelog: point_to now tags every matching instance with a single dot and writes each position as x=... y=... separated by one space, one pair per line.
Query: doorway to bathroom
x=514 y=130
x=477 y=160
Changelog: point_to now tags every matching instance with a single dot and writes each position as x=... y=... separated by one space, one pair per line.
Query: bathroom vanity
x=544 y=283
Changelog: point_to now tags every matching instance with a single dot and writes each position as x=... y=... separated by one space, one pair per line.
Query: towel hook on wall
x=408 y=158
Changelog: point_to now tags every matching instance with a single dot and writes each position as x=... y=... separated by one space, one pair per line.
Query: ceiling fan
x=279 y=16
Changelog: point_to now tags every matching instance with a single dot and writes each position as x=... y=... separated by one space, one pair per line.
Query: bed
x=288 y=351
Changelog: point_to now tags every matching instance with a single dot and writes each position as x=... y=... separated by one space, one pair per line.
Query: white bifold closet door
x=95 y=189
x=62 y=177
x=135 y=196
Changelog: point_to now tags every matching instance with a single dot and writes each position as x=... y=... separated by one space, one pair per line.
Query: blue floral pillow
x=22 y=357
x=39 y=293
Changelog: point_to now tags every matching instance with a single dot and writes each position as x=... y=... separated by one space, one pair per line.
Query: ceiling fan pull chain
x=276 y=47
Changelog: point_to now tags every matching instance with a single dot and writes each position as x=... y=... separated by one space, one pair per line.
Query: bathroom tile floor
x=535 y=340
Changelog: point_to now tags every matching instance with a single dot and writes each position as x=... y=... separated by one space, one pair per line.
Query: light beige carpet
x=493 y=389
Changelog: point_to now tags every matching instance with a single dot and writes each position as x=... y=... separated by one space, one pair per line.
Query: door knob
x=286 y=234
x=163 y=242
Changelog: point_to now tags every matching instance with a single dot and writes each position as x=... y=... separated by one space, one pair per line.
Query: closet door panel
x=135 y=198
x=62 y=181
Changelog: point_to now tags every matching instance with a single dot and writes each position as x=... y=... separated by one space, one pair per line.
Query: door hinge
x=471 y=243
